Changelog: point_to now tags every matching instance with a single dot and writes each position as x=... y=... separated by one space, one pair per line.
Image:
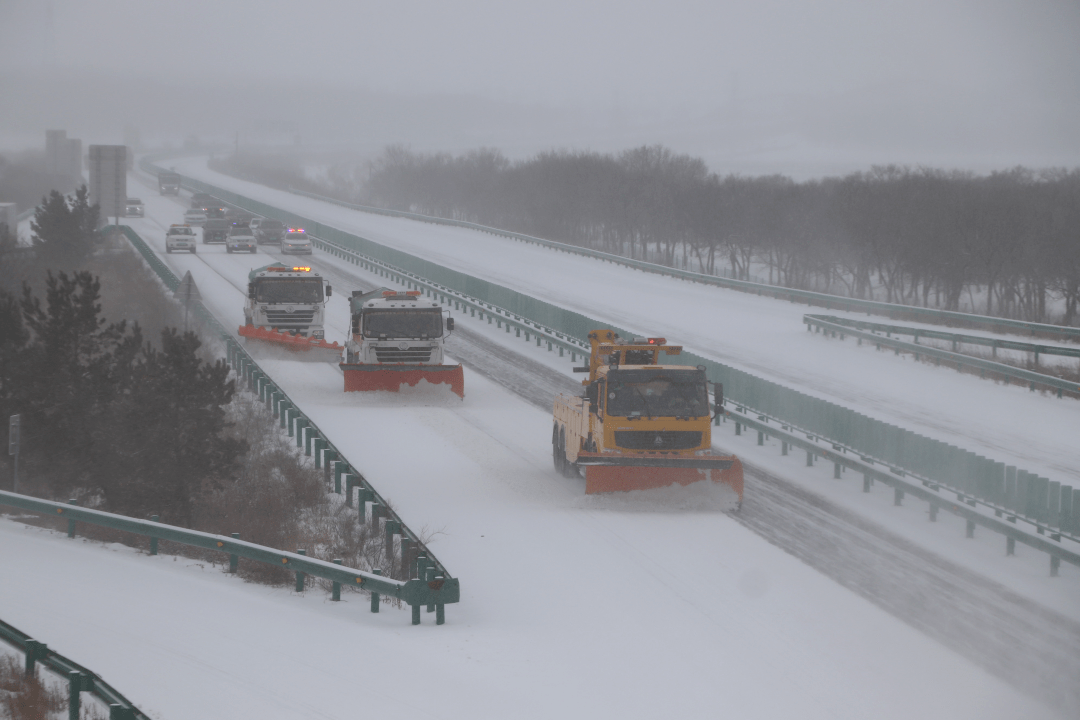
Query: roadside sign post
x=13 y=446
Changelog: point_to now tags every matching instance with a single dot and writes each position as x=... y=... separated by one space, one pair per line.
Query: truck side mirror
x=251 y=290
x=449 y=323
x=718 y=396
x=329 y=291
x=591 y=395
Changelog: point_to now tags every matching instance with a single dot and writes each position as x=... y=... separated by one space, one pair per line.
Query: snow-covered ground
x=759 y=335
x=654 y=604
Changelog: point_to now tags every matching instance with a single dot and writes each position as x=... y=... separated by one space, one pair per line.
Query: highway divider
x=841 y=327
x=1043 y=503
x=420 y=561
x=79 y=679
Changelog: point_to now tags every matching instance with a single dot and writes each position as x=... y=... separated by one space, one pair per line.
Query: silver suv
x=240 y=238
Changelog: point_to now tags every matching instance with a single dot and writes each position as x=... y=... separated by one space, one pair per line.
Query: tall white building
x=108 y=179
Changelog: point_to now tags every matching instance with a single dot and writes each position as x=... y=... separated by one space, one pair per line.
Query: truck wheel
x=558 y=458
x=569 y=469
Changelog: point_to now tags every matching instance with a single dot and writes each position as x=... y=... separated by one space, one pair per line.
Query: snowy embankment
x=571 y=605
x=759 y=335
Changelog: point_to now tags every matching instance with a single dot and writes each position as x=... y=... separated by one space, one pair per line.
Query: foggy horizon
x=752 y=89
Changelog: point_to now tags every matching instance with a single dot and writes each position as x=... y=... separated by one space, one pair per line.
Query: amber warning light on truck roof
x=657 y=341
x=289 y=269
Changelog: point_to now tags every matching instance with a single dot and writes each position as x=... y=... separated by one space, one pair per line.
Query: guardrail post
x=375 y=595
x=377 y=510
x=300 y=576
x=1055 y=564
x=429 y=575
x=898 y=496
x=339 y=470
x=34 y=651
x=71 y=522
x=760 y=437
x=350 y=481
x=933 y=511
x=738 y=428
x=121 y=712
x=783 y=444
x=970 y=529
x=1010 y=546
x=836 y=471
x=308 y=438
x=809 y=459
x=363 y=497
x=153 y=540
x=406 y=556
x=234 y=560
x=75 y=681
x=393 y=527
x=415 y=613
x=335 y=593
x=318 y=444
x=300 y=423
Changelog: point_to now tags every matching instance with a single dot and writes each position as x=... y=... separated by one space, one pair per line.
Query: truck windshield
x=403 y=323
x=288 y=290
x=657 y=393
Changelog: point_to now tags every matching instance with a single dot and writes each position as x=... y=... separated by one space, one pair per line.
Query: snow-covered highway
x=653 y=604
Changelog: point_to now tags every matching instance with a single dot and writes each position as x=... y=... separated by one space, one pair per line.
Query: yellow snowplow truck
x=640 y=424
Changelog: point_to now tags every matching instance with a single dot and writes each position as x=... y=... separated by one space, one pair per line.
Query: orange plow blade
x=369 y=378
x=630 y=472
x=305 y=347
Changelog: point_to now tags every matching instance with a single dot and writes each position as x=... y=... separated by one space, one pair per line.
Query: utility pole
x=13 y=446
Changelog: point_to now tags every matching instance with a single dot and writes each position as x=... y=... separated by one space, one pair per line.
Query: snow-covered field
x=652 y=605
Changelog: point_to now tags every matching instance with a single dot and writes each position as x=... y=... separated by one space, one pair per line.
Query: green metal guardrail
x=1001 y=522
x=79 y=679
x=420 y=561
x=813 y=298
x=843 y=327
x=414 y=592
x=974 y=476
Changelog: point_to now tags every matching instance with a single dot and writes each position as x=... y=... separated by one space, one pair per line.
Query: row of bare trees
x=1004 y=244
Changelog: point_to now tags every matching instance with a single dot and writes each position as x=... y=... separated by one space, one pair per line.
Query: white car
x=180 y=237
x=240 y=238
x=194 y=216
x=296 y=242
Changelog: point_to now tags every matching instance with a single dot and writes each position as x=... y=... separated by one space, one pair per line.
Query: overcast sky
x=909 y=81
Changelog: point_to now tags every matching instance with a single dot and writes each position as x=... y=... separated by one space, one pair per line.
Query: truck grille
x=657 y=440
x=408 y=355
x=294 y=320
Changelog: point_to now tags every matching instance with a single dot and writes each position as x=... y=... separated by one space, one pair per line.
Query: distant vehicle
x=240 y=238
x=236 y=216
x=255 y=221
x=180 y=237
x=215 y=210
x=194 y=216
x=270 y=231
x=296 y=242
x=134 y=208
x=168 y=183
x=216 y=230
x=202 y=200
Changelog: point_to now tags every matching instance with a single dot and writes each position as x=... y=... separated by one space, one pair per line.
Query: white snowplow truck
x=395 y=339
x=285 y=309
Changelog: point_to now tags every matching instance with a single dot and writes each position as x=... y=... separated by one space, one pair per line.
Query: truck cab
x=290 y=299
x=395 y=327
x=168 y=183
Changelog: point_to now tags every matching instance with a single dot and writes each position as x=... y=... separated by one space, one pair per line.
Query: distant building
x=63 y=155
x=108 y=179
